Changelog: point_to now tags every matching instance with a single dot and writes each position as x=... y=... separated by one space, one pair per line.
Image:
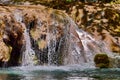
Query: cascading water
x=83 y=47
x=51 y=49
x=73 y=47
x=28 y=56
x=54 y=45
x=53 y=39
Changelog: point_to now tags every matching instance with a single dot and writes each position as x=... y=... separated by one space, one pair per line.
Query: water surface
x=74 y=72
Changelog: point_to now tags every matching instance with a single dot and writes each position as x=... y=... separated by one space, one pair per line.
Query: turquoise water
x=58 y=73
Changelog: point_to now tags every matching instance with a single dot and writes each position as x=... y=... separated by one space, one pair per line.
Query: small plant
x=101 y=60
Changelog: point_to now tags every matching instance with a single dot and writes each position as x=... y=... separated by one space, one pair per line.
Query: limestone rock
x=102 y=21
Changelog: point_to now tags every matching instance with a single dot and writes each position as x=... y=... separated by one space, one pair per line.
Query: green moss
x=101 y=60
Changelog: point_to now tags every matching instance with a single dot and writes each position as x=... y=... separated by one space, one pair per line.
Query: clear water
x=73 y=72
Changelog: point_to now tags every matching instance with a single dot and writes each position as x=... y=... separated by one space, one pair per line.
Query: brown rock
x=100 y=21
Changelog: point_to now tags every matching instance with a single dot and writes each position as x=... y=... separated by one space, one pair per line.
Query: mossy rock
x=102 y=60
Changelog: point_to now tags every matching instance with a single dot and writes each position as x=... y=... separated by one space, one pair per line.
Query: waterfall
x=83 y=47
x=51 y=49
x=75 y=46
x=28 y=54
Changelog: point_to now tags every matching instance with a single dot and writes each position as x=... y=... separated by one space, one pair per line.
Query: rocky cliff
x=100 y=20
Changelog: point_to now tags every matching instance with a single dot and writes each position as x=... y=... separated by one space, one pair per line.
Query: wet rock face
x=100 y=21
x=13 y=36
x=46 y=29
x=4 y=53
x=13 y=31
x=5 y=50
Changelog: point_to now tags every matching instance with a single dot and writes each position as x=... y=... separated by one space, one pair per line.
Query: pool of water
x=58 y=73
